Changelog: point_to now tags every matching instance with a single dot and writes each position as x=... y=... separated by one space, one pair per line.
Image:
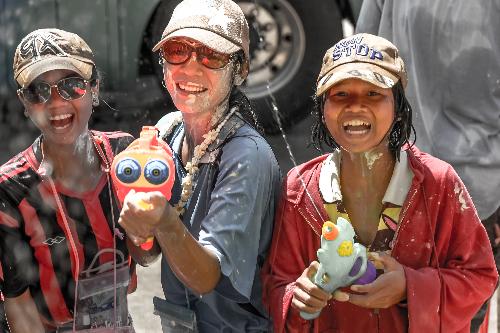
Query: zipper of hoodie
x=304 y=216
x=402 y=219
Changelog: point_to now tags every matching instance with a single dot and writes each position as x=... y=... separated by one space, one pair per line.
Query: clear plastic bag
x=98 y=287
x=175 y=318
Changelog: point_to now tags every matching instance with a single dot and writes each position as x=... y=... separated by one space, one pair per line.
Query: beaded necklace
x=199 y=152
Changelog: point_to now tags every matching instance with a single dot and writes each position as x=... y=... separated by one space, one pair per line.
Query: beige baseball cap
x=219 y=24
x=44 y=50
x=362 y=56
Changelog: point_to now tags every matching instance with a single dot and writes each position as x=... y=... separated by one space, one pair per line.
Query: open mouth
x=356 y=127
x=61 y=121
x=190 y=87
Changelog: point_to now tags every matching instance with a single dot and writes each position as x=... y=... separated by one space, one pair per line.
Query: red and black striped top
x=34 y=247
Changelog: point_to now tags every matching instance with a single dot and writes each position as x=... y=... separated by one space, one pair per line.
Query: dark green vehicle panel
x=113 y=28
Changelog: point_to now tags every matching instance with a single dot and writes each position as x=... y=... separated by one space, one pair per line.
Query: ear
x=95 y=87
x=23 y=102
x=241 y=73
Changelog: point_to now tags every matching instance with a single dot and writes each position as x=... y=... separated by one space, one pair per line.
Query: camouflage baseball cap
x=44 y=50
x=363 y=56
x=219 y=24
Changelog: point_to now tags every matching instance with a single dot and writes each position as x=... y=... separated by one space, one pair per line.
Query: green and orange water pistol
x=342 y=261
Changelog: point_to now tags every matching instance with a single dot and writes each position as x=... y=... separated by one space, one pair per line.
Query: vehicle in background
x=288 y=39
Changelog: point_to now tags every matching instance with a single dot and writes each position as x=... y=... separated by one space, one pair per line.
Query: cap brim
x=356 y=70
x=31 y=72
x=209 y=38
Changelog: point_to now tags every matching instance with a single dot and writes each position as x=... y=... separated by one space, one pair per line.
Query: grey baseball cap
x=219 y=24
x=44 y=50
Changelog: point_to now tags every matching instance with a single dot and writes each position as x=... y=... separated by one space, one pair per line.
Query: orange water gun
x=145 y=165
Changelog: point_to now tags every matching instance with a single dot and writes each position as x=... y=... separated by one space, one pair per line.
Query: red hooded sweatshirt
x=447 y=258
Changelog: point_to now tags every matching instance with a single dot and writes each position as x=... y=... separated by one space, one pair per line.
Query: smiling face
x=194 y=88
x=61 y=122
x=358 y=115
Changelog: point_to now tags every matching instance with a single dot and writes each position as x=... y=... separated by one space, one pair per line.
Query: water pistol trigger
x=148 y=244
x=144 y=205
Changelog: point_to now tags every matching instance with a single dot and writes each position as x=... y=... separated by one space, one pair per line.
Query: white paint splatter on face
x=217 y=84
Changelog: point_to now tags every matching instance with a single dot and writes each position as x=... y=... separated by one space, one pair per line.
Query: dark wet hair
x=400 y=131
x=240 y=100
x=96 y=75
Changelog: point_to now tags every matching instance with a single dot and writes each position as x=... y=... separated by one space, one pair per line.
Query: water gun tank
x=145 y=165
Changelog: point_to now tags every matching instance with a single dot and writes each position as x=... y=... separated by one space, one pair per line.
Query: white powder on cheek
x=39 y=119
x=218 y=82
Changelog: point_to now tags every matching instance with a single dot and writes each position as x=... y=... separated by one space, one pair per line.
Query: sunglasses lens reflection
x=70 y=88
x=176 y=53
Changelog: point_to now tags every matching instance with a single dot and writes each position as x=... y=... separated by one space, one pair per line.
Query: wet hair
x=400 y=131
x=96 y=76
x=238 y=99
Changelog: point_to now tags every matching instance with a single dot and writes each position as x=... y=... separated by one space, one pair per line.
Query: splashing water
x=277 y=117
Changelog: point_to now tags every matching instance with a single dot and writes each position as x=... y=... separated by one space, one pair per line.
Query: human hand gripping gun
x=342 y=262
x=145 y=165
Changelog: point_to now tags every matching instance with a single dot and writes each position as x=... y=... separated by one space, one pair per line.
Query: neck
x=76 y=166
x=368 y=171
x=198 y=124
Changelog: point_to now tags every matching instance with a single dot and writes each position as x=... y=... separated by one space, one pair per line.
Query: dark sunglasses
x=69 y=88
x=177 y=52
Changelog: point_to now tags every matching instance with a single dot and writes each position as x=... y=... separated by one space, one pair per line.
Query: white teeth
x=62 y=127
x=60 y=117
x=191 y=87
x=355 y=122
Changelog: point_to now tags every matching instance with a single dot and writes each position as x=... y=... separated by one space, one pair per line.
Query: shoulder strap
x=101 y=141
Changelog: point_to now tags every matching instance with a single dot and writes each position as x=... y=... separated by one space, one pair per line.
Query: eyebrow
x=65 y=77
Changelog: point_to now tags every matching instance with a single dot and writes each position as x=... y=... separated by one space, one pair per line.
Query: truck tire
x=288 y=39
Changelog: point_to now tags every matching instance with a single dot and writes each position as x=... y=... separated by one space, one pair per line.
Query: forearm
x=196 y=266
x=142 y=257
x=22 y=314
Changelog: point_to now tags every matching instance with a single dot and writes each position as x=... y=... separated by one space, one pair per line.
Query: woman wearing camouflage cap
x=213 y=250
x=56 y=206
x=411 y=210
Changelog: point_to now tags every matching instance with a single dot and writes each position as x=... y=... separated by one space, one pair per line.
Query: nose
x=357 y=105
x=192 y=65
x=55 y=98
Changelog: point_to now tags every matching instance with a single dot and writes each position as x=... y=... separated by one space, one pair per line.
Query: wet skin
x=198 y=92
x=196 y=89
x=68 y=130
x=68 y=151
x=358 y=114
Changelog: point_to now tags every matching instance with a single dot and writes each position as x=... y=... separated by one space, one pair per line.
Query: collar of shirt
x=399 y=185
x=210 y=156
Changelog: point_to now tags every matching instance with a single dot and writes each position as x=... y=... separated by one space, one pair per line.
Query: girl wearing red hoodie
x=409 y=209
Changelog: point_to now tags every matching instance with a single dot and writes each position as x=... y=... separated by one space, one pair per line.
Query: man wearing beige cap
x=213 y=251
x=409 y=209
